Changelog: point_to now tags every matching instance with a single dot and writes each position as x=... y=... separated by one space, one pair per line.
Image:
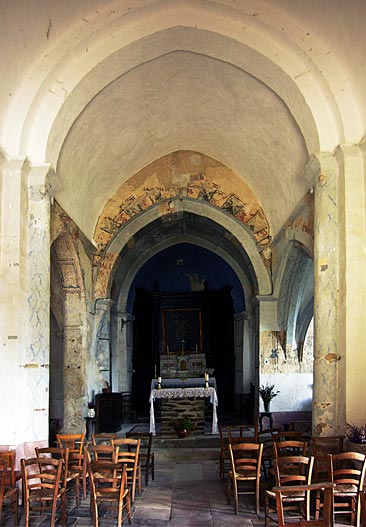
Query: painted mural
x=183 y=174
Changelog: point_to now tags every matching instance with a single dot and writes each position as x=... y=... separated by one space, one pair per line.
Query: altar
x=182 y=364
x=185 y=393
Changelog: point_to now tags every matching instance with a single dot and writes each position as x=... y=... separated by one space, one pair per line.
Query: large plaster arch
x=238 y=233
x=37 y=102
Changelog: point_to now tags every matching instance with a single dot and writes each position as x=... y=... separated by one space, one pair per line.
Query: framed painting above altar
x=182 y=330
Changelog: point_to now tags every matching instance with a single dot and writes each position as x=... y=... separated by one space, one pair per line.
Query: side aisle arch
x=66 y=261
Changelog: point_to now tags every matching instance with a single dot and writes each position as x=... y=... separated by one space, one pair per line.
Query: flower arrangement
x=182 y=423
x=267 y=393
x=356 y=434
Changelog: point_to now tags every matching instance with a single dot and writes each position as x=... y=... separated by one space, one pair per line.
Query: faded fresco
x=184 y=174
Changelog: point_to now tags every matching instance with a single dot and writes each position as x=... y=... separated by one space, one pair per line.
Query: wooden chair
x=243 y=434
x=245 y=471
x=347 y=472
x=8 y=489
x=146 y=456
x=101 y=453
x=129 y=451
x=289 y=448
x=321 y=447
x=326 y=491
x=286 y=435
x=43 y=488
x=108 y=490
x=69 y=477
x=265 y=437
x=224 y=459
x=103 y=438
x=77 y=462
x=290 y=471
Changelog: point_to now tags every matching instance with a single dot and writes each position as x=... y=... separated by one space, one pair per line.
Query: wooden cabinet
x=109 y=412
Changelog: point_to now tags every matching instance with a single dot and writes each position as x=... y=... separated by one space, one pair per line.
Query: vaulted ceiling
x=101 y=89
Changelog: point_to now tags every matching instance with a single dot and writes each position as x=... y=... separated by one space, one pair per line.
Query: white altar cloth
x=177 y=393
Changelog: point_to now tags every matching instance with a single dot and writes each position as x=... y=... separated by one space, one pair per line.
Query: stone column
x=352 y=286
x=328 y=407
x=75 y=378
x=102 y=355
x=122 y=351
x=11 y=299
x=25 y=264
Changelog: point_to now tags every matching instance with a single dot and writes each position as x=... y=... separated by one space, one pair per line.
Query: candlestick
x=159 y=383
x=206 y=380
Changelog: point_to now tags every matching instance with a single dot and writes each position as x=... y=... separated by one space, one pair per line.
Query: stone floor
x=183 y=494
x=186 y=492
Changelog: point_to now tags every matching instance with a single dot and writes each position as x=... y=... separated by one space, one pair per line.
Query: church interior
x=182 y=194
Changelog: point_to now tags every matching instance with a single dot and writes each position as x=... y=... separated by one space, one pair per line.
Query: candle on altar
x=155 y=372
x=159 y=380
x=167 y=349
x=196 y=350
x=206 y=377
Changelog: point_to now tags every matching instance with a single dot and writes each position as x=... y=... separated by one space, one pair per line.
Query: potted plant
x=182 y=426
x=356 y=434
x=356 y=438
x=267 y=393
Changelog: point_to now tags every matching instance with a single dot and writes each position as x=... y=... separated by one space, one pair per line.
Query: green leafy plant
x=356 y=434
x=267 y=393
x=182 y=423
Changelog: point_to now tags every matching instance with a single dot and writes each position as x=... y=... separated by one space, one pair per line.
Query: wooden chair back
x=321 y=447
x=325 y=489
x=8 y=488
x=146 y=455
x=286 y=435
x=265 y=437
x=224 y=456
x=108 y=490
x=103 y=438
x=245 y=461
x=43 y=488
x=243 y=434
x=101 y=453
x=347 y=472
x=129 y=451
x=289 y=448
x=290 y=471
x=77 y=461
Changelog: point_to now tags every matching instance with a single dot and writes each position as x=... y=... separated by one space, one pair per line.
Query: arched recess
x=164 y=225
x=168 y=208
x=68 y=299
x=296 y=296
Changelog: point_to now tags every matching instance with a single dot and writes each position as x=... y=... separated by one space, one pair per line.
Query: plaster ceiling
x=101 y=89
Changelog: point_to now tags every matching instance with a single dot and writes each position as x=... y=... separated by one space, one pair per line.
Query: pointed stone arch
x=183 y=181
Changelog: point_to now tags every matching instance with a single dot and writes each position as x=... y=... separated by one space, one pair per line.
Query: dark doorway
x=215 y=339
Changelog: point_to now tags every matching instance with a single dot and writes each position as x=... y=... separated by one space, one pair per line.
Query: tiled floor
x=183 y=494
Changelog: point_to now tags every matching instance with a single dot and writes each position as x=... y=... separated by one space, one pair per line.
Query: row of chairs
x=108 y=463
x=285 y=460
